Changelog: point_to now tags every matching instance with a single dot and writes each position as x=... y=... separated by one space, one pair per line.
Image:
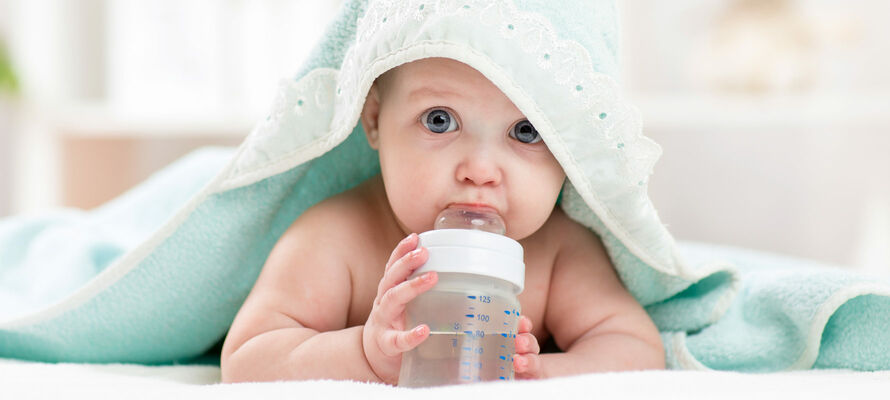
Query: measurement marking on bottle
x=504 y=335
x=503 y=358
x=469 y=333
x=504 y=346
x=465 y=363
x=471 y=297
x=502 y=378
x=506 y=323
x=472 y=308
x=470 y=315
x=507 y=312
x=467 y=349
x=466 y=378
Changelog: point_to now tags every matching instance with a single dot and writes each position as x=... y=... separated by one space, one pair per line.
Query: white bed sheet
x=29 y=380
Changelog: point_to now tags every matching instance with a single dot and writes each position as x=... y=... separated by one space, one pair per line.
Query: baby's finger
x=402 y=268
x=393 y=342
x=407 y=244
x=527 y=366
x=394 y=300
x=526 y=343
x=525 y=324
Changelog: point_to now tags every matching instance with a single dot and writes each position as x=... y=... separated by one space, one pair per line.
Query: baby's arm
x=592 y=317
x=292 y=324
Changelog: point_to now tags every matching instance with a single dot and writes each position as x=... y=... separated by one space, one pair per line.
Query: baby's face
x=446 y=135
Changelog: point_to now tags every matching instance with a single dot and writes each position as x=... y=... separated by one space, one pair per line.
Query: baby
x=330 y=301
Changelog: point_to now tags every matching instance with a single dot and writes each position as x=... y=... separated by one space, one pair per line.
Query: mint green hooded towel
x=157 y=275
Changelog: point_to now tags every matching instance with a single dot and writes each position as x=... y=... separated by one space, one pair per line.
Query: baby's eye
x=524 y=132
x=438 y=120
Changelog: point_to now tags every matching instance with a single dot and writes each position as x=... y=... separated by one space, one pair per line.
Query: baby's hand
x=526 y=361
x=384 y=337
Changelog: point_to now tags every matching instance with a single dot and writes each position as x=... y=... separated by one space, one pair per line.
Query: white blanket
x=29 y=380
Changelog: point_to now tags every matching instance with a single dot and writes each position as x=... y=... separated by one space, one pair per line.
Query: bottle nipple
x=466 y=217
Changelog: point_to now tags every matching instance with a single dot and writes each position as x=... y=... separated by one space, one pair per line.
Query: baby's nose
x=479 y=168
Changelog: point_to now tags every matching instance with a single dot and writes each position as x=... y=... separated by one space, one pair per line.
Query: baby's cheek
x=536 y=207
x=525 y=221
x=415 y=209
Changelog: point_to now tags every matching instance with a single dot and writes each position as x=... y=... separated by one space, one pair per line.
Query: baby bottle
x=472 y=311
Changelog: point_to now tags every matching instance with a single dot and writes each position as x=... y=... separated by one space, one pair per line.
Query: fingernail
x=418 y=331
x=415 y=253
x=427 y=277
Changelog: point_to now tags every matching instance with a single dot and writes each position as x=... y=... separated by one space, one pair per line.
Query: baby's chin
x=520 y=235
x=522 y=229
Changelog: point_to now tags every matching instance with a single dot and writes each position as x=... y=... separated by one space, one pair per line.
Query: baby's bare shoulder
x=582 y=274
x=578 y=249
x=343 y=214
x=306 y=280
x=308 y=271
x=587 y=297
x=343 y=227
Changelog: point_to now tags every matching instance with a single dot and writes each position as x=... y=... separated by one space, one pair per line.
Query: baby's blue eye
x=525 y=132
x=438 y=120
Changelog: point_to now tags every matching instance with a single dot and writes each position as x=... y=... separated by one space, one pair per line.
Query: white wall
x=796 y=170
x=141 y=69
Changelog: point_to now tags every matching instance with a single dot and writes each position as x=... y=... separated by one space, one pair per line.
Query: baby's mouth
x=482 y=208
x=470 y=216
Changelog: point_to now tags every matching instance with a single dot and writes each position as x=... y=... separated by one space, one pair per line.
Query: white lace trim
x=298 y=122
x=571 y=65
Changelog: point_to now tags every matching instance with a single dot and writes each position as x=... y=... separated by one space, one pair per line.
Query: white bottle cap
x=473 y=251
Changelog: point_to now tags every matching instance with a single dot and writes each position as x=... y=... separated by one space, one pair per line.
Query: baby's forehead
x=433 y=70
x=438 y=77
x=434 y=66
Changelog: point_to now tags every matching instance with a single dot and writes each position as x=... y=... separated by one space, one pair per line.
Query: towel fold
x=157 y=275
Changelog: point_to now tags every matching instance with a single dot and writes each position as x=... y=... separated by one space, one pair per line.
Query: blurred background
x=774 y=115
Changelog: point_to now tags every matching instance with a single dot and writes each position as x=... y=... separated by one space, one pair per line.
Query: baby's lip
x=477 y=207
